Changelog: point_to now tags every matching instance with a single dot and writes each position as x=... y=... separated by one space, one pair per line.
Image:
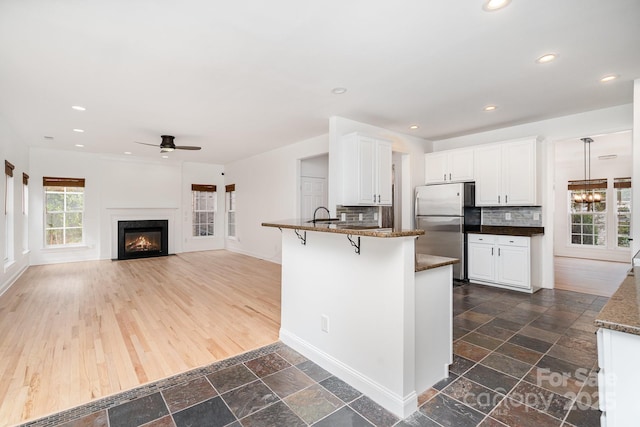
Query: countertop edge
x=353 y=232
x=428 y=262
x=622 y=312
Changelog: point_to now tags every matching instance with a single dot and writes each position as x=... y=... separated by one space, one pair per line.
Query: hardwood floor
x=71 y=333
x=589 y=276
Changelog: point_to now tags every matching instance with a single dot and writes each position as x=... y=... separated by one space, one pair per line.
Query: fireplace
x=143 y=239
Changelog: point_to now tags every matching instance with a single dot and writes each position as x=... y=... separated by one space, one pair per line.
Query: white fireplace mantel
x=136 y=214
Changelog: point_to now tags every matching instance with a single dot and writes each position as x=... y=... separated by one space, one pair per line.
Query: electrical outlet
x=360 y=217
x=324 y=323
x=536 y=216
x=507 y=216
x=375 y=216
x=343 y=216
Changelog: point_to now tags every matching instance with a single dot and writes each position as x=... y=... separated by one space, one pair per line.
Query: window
x=588 y=221
x=230 y=191
x=622 y=187
x=25 y=212
x=8 y=212
x=203 y=205
x=64 y=210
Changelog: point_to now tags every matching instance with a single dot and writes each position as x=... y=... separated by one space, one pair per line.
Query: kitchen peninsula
x=358 y=302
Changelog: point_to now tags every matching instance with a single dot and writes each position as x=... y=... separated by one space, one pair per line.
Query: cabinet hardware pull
x=506 y=198
x=498 y=251
x=449 y=176
x=444 y=177
x=491 y=251
x=374 y=198
x=378 y=198
x=498 y=199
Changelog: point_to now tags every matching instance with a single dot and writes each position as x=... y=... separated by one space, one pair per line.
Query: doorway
x=314 y=172
x=590 y=235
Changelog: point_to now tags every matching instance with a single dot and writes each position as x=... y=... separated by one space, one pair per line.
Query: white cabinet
x=504 y=261
x=507 y=174
x=449 y=166
x=618 y=377
x=366 y=170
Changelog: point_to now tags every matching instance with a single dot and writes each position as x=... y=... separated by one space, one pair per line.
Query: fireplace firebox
x=143 y=238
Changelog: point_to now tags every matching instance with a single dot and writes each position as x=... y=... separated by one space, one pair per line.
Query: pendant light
x=587 y=196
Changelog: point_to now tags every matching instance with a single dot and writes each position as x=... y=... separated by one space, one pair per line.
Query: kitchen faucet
x=318 y=208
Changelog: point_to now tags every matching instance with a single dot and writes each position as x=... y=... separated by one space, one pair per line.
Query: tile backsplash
x=520 y=216
x=353 y=213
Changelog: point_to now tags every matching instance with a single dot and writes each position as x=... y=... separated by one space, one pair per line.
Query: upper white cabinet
x=449 y=166
x=366 y=170
x=507 y=174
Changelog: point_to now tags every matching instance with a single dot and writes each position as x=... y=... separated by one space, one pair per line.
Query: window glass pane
x=54 y=237
x=73 y=219
x=210 y=229
x=75 y=202
x=54 y=220
x=55 y=202
x=73 y=236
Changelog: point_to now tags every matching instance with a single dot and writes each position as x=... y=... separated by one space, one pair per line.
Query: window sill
x=65 y=248
x=203 y=237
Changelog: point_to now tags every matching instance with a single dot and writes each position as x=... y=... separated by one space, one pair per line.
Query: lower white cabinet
x=618 y=377
x=504 y=261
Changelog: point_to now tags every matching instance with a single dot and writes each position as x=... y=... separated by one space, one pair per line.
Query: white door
x=313 y=193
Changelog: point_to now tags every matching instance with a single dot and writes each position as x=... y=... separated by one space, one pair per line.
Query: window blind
x=49 y=181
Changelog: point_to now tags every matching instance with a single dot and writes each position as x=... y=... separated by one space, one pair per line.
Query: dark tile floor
x=519 y=360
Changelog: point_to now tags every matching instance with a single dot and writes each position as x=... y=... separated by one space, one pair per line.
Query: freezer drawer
x=443 y=236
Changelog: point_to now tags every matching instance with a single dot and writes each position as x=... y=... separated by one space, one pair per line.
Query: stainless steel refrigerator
x=446 y=212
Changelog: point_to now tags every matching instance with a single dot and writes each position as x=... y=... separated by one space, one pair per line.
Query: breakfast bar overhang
x=362 y=305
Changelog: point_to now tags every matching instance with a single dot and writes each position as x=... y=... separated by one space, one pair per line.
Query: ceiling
x=243 y=77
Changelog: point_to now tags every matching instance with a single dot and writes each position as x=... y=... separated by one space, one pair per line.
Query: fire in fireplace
x=142 y=239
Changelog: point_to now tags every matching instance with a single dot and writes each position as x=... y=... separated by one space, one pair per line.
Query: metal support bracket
x=354 y=244
x=303 y=238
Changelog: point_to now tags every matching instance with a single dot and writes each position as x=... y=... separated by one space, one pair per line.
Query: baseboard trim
x=401 y=406
x=12 y=280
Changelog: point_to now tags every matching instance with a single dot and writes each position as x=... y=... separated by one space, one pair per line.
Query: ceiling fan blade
x=187 y=147
x=146 y=143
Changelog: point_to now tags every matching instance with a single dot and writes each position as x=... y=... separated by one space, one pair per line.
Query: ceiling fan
x=168 y=145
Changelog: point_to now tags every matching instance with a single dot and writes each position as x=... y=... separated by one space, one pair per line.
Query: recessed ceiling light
x=491 y=5
x=48 y=137
x=490 y=108
x=78 y=108
x=127 y=152
x=338 y=90
x=608 y=78
x=414 y=127
x=80 y=145
x=546 y=58
x=78 y=130
x=165 y=157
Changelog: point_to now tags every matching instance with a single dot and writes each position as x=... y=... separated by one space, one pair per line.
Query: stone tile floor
x=519 y=360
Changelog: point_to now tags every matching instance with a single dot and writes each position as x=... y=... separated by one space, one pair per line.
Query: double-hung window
x=203 y=206
x=622 y=187
x=64 y=211
x=588 y=221
x=230 y=191
x=8 y=212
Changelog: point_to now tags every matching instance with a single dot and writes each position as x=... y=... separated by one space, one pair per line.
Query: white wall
x=569 y=166
x=402 y=143
x=315 y=167
x=13 y=150
x=267 y=189
x=604 y=121
x=126 y=186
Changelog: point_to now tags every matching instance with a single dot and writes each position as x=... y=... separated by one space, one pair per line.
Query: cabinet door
x=488 y=176
x=460 y=165
x=366 y=171
x=435 y=167
x=481 y=261
x=519 y=173
x=512 y=266
x=384 y=169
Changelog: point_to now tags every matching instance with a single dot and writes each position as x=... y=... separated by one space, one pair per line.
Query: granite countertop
x=427 y=262
x=509 y=230
x=622 y=311
x=342 y=228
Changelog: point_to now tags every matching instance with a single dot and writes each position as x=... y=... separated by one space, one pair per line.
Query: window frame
x=230 y=208
x=197 y=192
x=595 y=186
x=67 y=187
x=621 y=185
